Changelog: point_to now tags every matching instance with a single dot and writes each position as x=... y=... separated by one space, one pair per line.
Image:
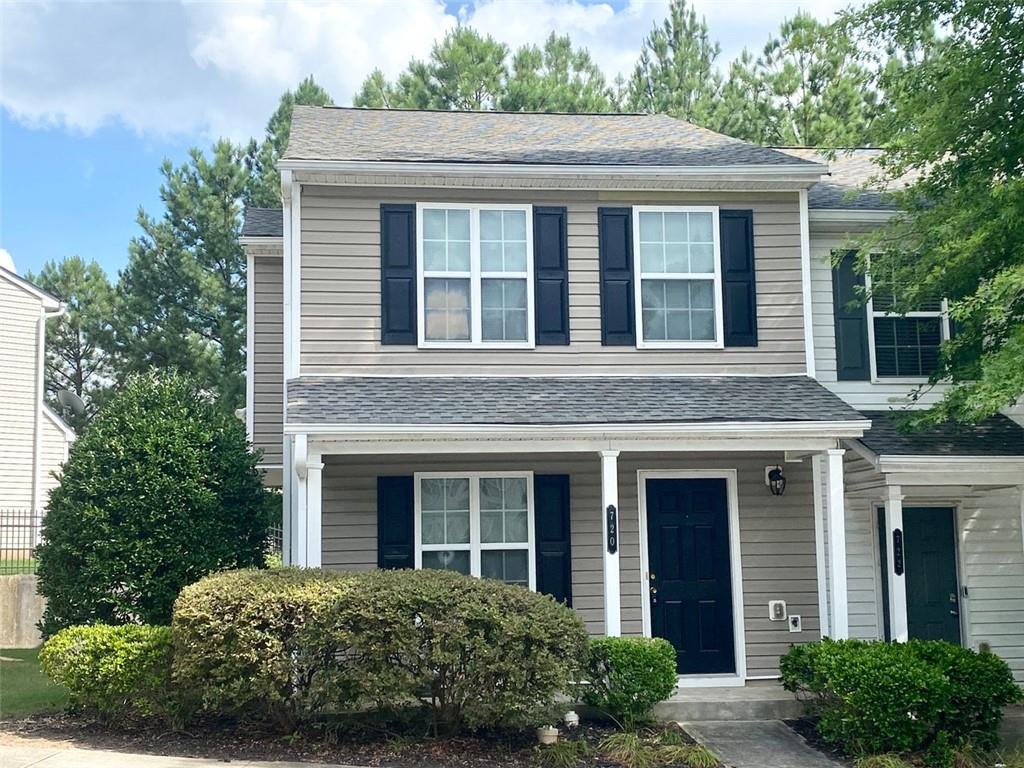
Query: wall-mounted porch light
x=776 y=481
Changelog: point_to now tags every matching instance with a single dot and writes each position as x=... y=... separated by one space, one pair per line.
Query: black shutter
x=550 y=276
x=554 y=556
x=851 y=322
x=739 y=290
x=397 y=273
x=615 y=244
x=394 y=522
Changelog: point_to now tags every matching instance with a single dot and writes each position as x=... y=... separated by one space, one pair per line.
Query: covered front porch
x=667 y=530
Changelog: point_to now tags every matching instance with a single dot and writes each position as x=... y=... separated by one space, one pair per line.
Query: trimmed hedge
x=627 y=676
x=475 y=651
x=112 y=670
x=876 y=697
x=291 y=645
x=239 y=642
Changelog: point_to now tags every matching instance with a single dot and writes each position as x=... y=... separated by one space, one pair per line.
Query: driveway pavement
x=52 y=757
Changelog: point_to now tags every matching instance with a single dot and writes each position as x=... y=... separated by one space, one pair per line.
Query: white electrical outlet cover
x=795 y=624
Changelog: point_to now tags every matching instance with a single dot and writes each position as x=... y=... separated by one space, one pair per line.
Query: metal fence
x=19 y=536
x=275 y=540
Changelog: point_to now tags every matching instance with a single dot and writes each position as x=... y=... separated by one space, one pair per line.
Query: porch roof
x=561 y=400
x=996 y=436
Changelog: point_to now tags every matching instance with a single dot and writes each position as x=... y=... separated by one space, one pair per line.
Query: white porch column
x=314 y=511
x=288 y=503
x=840 y=620
x=610 y=496
x=896 y=584
x=300 y=458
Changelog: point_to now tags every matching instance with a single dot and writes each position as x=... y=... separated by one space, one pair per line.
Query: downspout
x=37 y=436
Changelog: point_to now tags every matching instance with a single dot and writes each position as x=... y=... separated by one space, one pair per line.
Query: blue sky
x=93 y=96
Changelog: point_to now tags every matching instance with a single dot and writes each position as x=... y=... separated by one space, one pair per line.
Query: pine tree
x=556 y=78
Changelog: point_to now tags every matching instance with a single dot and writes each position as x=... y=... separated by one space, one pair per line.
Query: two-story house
x=34 y=441
x=589 y=354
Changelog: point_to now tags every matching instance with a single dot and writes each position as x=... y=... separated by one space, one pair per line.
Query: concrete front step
x=750 y=702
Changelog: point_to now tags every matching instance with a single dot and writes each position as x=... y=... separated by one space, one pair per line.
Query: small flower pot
x=547 y=734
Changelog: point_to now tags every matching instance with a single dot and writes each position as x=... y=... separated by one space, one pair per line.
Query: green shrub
x=901 y=697
x=112 y=670
x=160 y=490
x=627 y=676
x=474 y=651
x=239 y=643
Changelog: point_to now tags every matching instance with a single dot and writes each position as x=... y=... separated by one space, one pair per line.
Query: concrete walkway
x=54 y=757
x=758 y=744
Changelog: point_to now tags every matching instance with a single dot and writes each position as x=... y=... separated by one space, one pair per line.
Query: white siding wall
x=19 y=317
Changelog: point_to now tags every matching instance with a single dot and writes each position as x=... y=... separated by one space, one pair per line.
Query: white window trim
x=942 y=313
x=475 y=546
x=719 y=341
x=475 y=275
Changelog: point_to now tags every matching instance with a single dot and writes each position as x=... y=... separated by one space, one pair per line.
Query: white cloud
x=217 y=68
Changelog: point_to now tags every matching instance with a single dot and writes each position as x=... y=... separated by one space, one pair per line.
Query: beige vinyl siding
x=341 y=289
x=776 y=533
x=54 y=454
x=268 y=365
x=19 y=323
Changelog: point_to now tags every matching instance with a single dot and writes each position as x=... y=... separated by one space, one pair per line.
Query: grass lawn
x=24 y=689
x=15 y=567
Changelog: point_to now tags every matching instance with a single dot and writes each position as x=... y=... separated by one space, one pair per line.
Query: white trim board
x=738 y=678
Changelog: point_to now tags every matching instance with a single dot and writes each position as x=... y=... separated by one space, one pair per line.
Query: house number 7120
x=613 y=529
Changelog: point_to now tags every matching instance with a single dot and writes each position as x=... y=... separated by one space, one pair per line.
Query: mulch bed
x=223 y=741
x=807 y=727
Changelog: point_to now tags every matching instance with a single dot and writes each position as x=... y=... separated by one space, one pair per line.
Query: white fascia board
x=812 y=171
x=849 y=215
x=973 y=464
x=49 y=302
x=269 y=242
x=688 y=431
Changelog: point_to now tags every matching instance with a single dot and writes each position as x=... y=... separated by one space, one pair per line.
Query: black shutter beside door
x=398 y=273
x=615 y=245
x=552 y=530
x=395 y=545
x=851 y=322
x=551 y=276
x=739 y=284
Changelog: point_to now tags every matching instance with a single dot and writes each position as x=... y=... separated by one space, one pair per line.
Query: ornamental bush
x=901 y=697
x=474 y=651
x=112 y=671
x=242 y=644
x=626 y=676
x=160 y=490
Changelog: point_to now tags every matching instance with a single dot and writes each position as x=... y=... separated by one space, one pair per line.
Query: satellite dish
x=69 y=401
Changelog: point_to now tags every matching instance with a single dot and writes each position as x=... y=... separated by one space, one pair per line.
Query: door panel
x=690 y=579
x=929 y=536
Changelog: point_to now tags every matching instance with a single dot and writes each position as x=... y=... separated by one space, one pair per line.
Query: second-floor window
x=906 y=346
x=476 y=275
x=678 y=286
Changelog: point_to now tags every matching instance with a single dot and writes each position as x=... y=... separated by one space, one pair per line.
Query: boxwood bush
x=112 y=670
x=876 y=697
x=474 y=651
x=626 y=676
x=290 y=645
x=241 y=643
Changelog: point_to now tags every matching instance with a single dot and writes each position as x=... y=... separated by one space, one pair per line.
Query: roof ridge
x=480 y=111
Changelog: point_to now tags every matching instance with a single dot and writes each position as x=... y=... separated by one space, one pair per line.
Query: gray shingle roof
x=262 y=222
x=561 y=400
x=997 y=436
x=850 y=172
x=339 y=133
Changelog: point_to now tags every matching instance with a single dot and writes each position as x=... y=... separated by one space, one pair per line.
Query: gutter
x=37 y=436
x=812 y=171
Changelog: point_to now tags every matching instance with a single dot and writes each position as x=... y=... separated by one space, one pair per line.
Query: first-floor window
x=479 y=524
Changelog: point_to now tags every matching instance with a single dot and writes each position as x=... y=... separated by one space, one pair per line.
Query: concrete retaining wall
x=21 y=608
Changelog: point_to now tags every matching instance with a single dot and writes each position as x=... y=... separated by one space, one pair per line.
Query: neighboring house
x=568 y=351
x=33 y=440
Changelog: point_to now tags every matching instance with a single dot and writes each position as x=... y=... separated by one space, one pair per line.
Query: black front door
x=689 y=576
x=929 y=543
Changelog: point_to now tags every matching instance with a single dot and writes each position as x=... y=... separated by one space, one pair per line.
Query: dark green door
x=933 y=605
x=690 y=585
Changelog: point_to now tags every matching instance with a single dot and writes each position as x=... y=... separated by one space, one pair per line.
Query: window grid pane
x=503 y=304
x=445 y=511
x=448 y=309
x=907 y=346
x=504 y=517
x=678 y=310
x=502 y=241
x=508 y=565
